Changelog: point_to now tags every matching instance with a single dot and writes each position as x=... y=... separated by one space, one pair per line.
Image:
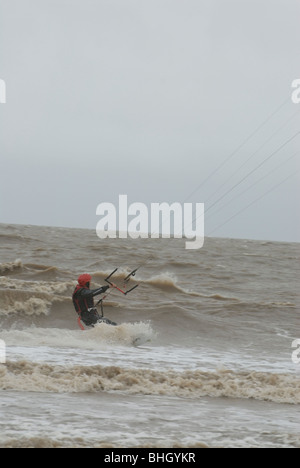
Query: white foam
x=126 y=334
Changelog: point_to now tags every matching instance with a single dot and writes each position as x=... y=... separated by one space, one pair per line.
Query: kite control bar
x=126 y=280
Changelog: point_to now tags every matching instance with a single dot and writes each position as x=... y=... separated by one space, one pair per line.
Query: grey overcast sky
x=149 y=98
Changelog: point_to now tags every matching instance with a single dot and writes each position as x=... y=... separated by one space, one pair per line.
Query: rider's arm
x=94 y=292
x=101 y=290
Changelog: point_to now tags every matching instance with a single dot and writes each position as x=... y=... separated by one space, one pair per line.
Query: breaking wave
x=10 y=267
x=33 y=377
x=23 y=298
x=166 y=282
x=30 y=307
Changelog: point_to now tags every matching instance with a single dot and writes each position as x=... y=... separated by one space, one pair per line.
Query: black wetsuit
x=83 y=300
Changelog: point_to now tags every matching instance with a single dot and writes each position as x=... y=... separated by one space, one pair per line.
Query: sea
x=202 y=356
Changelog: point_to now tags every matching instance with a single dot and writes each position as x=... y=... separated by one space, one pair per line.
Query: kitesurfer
x=83 y=300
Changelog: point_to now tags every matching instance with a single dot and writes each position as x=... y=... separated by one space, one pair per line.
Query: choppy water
x=202 y=355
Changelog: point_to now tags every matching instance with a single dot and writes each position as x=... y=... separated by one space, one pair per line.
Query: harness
x=77 y=302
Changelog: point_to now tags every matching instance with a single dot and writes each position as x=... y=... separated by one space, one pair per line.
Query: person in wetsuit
x=83 y=300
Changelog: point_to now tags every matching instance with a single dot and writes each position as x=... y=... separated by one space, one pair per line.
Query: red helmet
x=83 y=279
